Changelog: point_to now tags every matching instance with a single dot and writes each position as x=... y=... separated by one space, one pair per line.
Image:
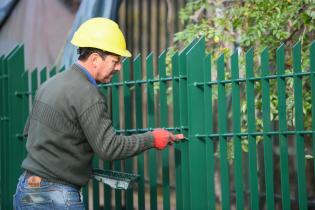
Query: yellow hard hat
x=103 y=34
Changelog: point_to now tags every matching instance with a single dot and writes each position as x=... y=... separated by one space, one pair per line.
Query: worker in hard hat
x=70 y=122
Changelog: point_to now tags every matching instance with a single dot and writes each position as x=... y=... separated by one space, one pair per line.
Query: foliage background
x=238 y=25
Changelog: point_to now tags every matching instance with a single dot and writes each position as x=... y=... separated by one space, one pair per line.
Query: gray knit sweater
x=70 y=122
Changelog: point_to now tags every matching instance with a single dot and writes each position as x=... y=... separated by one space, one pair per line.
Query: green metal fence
x=204 y=100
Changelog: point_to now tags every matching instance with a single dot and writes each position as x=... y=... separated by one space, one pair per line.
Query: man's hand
x=163 y=137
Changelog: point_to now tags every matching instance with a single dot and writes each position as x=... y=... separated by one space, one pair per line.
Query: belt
x=34 y=180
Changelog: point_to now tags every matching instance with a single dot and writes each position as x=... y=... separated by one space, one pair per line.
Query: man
x=69 y=123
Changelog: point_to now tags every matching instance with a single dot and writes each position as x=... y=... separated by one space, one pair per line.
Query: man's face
x=107 y=67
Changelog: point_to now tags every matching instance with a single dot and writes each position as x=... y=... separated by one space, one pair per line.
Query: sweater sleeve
x=101 y=135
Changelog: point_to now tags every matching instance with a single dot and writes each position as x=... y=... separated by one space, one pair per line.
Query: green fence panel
x=116 y=124
x=176 y=119
x=183 y=110
x=15 y=65
x=150 y=118
x=251 y=126
x=222 y=121
x=210 y=158
x=312 y=70
x=268 y=153
x=281 y=85
x=128 y=126
x=236 y=121
x=139 y=125
x=197 y=152
x=3 y=128
x=298 y=114
x=163 y=110
x=43 y=75
x=96 y=186
x=52 y=72
x=106 y=164
x=193 y=97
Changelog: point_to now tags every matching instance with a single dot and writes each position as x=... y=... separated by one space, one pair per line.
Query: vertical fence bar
x=96 y=185
x=25 y=107
x=52 y=72
x=251 y=124
x=268 y=158
x=127 y=117
x=15 y=66
x=298 y=104
x=152 y=153
x=236 y=121
x=107 y=189
x=6 y=136
x=197 y=151
x=43 y=75
x=224 y=164
x=34 y=83
x=2 y=130
x=139 y=124
x=116 y=124
x=106 y=164
x=164 y=123
x=281 y=85
x=312 y=70
x=183 y=110
x=210 y=161
x=176 y=117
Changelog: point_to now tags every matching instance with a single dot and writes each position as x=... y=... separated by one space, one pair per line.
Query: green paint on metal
x=281 y=85
x=193 y=97
x=251 y=124
x=268 y=154
x=96 y=185
x=127 y=117
x=312 y=70
x=43 y=75
x=152 y=153
x=116 y=124
x=222 y=120
x=210 y=159
x=300 y=156
x=176 y=118
x=197 y=151
x=139 y=124
x=164 y=123
x=236 y=121
x=183 y=110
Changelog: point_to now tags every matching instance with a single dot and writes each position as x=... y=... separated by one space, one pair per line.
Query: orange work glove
x=162 y=138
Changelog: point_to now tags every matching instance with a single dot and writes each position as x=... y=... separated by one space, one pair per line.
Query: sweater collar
x=88 y=75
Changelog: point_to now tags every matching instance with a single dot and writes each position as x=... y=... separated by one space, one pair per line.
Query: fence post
x=151 y=153
x=237 y=140
x=164 y=123
x=127 y=119
x=183 y=117
x=251 y=126
x=196 y=145
x=139 y=124
x=299 y=126
x=176 y=117
x=268 y=159
x=15 y=64
x=281 y=85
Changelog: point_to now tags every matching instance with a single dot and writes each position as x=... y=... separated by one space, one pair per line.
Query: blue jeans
x=47 y=196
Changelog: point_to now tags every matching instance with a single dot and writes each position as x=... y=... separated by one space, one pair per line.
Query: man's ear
x=94 y=58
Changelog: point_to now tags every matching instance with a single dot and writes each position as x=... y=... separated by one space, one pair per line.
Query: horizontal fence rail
x=249 y=136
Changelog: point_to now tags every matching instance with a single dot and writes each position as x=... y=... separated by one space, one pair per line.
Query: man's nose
x=118 y=67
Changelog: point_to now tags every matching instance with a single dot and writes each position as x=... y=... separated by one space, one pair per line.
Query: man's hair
x=85 y=52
